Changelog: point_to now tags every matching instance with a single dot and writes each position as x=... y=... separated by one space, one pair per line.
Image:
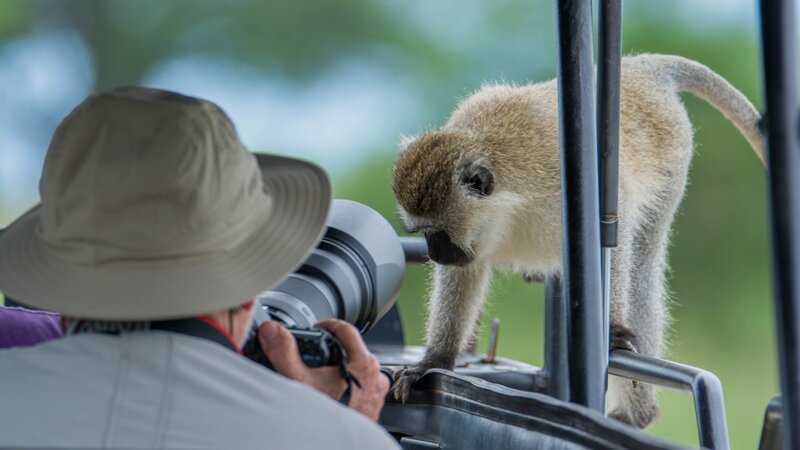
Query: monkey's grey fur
x=485 y=191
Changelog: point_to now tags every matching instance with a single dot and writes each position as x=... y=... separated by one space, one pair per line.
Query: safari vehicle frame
x=510 y=405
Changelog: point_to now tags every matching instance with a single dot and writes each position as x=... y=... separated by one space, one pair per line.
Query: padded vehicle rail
x=449 y=410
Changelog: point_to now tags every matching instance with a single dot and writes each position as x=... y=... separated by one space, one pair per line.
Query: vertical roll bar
x=555 y=339
x=779 y=50
x=609 y=59
x=582 y=287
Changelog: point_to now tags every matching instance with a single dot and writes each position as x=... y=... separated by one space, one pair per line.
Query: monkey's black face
x=443 y=251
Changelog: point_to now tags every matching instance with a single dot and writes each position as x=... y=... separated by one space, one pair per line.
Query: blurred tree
x=296 y=40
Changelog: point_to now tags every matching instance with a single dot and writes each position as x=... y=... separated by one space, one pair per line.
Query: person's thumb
x=280 y=348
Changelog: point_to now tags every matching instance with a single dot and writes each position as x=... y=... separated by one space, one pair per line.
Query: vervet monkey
x=485 y=191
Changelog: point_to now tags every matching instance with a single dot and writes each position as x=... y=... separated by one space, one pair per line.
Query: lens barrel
x=354 y=274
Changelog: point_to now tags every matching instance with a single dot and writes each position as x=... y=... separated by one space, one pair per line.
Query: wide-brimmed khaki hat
x=151 y=208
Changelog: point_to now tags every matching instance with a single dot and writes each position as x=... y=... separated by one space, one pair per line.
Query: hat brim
x=33 y=273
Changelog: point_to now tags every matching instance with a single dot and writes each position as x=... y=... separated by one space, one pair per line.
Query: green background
x=720 y=277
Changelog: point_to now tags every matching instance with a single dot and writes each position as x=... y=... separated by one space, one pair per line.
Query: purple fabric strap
x=20 y=327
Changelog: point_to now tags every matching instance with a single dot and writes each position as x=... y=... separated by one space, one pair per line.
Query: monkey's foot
x=640 y=417
x=404 y=378
x=622 y=338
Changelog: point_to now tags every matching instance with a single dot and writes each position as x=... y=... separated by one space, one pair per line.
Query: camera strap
x=349 y=378
x=197 y=328
x=190 y=327
x=347 y=375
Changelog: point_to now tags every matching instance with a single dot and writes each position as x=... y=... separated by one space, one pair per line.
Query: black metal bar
x=771 y=436
x=779 y=50
x=555 y=339
x=709 y=404
x=580 y=210
x=415 y=249
x=609 y=60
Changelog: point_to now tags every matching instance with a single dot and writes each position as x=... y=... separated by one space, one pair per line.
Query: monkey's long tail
x=693 y=77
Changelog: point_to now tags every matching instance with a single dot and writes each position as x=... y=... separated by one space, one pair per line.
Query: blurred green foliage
x=720 y=278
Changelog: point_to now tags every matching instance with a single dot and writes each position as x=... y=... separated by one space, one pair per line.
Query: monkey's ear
x=478 y=179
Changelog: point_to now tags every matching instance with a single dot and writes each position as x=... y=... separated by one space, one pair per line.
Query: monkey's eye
x=478 y=179
x=475 y=184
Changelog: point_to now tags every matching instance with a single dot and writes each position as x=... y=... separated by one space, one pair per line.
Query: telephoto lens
x=354 y=274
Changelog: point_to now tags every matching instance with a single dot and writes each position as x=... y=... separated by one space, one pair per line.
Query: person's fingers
x=350 y=338
x=385 y=384
x=280 y=348
x=369 y=398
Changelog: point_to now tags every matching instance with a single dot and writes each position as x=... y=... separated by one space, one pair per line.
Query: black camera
x=354 y=274
x=317 y=347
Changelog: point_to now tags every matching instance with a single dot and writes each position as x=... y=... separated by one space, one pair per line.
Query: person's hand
x=363 y=365
x=280 y=348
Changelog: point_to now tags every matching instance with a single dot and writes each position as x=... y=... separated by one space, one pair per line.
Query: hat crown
x=141 y=174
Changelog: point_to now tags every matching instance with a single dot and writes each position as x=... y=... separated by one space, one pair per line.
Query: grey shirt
x=164 y=390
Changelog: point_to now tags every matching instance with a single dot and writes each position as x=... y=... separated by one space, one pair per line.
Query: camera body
x=318 y=348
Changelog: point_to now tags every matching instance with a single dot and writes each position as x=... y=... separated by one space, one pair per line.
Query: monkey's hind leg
x=649 y=312
x=456 y=303
x=628 y=402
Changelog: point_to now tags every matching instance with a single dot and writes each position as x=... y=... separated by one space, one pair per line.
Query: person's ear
x=247 y=306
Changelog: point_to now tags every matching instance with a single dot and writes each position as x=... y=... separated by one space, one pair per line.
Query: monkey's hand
x=622 y=338
x=404 y=377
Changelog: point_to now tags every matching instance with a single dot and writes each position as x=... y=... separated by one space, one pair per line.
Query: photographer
x=156 y=228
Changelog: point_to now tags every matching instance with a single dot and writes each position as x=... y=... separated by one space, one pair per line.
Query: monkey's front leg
x=456 y=302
